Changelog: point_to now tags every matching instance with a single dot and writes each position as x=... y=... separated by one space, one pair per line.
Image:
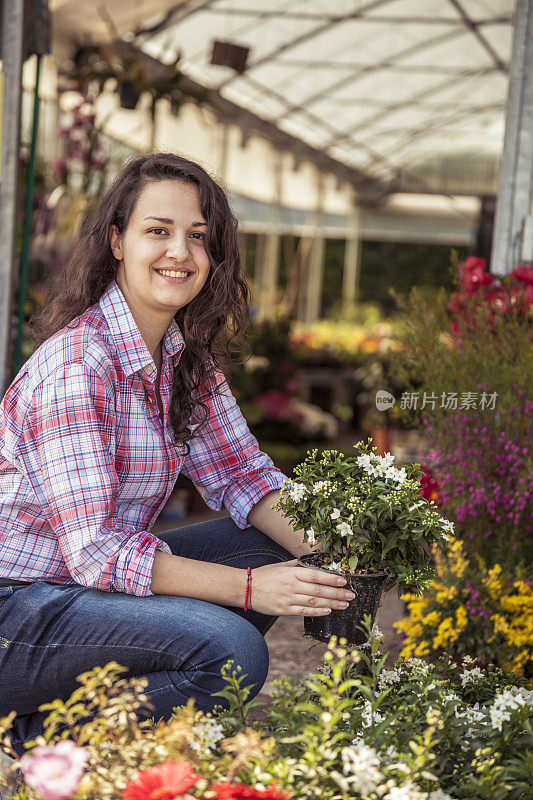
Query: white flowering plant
x=367 y=514
x=351 y=730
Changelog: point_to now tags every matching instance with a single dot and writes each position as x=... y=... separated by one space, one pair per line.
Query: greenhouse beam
x=513 y=210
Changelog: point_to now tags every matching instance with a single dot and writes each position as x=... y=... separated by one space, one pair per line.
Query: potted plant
x=373 y=525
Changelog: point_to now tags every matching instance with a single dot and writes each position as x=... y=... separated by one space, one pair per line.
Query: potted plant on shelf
x=373 y=525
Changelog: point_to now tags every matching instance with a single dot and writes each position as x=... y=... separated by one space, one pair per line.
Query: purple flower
x=54 y=771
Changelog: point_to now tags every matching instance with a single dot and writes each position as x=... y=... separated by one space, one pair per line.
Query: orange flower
x=162 y=782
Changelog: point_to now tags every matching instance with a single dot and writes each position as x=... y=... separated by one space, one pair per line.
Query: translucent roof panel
x=379 y=85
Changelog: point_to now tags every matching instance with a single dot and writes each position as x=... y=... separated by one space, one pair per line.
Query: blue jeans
x=51 y=633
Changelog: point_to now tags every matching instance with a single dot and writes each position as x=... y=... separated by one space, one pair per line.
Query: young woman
x=126 y=391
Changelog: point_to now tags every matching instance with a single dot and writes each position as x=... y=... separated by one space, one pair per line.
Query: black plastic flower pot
x=367 y=588
x=129 y=95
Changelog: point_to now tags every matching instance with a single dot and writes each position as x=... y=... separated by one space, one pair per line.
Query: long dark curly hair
x=210 y=323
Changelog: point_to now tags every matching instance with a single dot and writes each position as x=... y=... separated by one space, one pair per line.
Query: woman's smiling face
x=163 y=258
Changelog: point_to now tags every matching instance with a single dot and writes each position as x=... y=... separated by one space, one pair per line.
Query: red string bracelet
x=248 y=590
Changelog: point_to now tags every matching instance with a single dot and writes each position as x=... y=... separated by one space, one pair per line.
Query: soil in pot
x=367 y=588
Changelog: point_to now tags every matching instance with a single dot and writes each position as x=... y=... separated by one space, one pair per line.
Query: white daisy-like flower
x=344 y=529
x=401 y=475
x=297 y=492
x=390 y=473
x=387 y=459
x=471 y=676
x=310 y=534
x=498 y=716
x=335 y=514
x=387 y=677
x=364 y=461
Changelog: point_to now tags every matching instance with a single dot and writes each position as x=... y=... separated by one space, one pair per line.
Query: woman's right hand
x=289 y=590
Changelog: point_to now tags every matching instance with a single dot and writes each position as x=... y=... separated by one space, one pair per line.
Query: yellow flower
x=432 y=619
x=422 y=649
x=446 y=594
x=445 y=634
x=461 y=618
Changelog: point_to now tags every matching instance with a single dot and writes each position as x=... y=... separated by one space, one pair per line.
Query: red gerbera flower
x=240 y=791
x=162 y=782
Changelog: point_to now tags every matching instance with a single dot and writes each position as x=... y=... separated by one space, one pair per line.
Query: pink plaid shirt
x=86 y=464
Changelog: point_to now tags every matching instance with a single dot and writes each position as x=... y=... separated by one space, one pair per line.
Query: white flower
x=473 y=715
x=417 y=665
x=297 y=492
x=335 y=514
x=334 y=565
x=401 y=475
x=370 y=717
x=364 y=461
x=360 y=765
x=447 y=525
x=453 y=699
x=390 y=473
x=344 y=529
x=511 y=699
x=387 y=677
x=498 y=717
x=323 y=487
x=438 y=794
x=406 y=792
x=387 y=459
x=209 y=732
x=471 y=676
x=310 y=536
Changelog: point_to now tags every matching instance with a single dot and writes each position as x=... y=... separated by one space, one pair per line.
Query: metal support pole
x=28 y=219
x=12 y=55
x=352 y=259
x=268 y=282
x=315 y=277
x=516 y=170
x=314 y=273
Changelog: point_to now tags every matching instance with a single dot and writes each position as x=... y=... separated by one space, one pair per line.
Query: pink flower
x=54 y=771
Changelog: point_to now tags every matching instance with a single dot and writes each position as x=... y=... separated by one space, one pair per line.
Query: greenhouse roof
x=384 y=87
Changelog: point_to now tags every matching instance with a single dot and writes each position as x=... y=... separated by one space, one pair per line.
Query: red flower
x=240 y=791
x=523 y=274
x=474 y=263
x=473 y=275
x=162 y=782
x=429 y=486
x=275 y=405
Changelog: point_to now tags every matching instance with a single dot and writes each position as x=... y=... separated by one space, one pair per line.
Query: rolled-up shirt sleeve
x=67 y=452
x=225 y=462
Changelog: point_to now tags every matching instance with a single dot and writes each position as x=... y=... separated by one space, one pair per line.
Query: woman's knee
x=239 y=642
